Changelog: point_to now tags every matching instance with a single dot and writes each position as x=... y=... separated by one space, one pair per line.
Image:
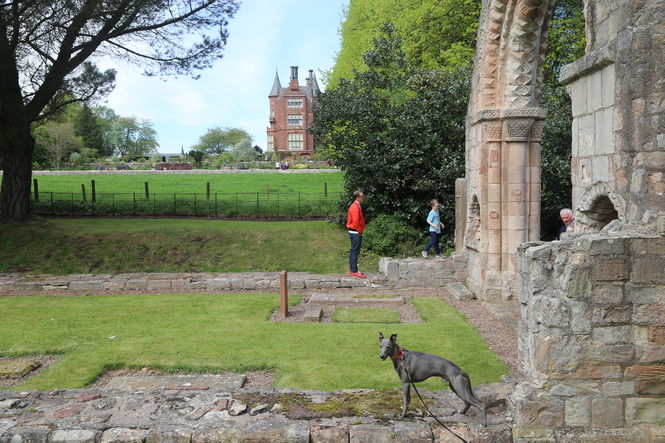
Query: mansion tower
x=291 y=114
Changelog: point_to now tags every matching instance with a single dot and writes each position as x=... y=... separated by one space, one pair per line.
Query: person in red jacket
x=355 y=223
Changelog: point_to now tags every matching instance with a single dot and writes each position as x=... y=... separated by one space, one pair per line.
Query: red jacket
x=355 y=219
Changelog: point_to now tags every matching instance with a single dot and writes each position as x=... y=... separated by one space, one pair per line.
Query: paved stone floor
x=209 y=409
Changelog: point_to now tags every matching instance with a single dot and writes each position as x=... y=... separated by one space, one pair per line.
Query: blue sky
x=264 y=35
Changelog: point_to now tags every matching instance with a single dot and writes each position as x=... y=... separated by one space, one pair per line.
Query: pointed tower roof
x=315 y=85
x=276 y=86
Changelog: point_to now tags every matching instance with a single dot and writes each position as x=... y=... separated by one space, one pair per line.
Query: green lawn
x=212 y=333
x=72 y=246
x=187 y=183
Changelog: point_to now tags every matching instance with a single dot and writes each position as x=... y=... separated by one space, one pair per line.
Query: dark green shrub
x=388 y=235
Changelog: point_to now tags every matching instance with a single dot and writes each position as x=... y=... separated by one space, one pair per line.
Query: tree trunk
x=16 y=148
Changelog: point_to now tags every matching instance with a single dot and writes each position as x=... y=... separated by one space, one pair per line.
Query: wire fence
x=213 y=204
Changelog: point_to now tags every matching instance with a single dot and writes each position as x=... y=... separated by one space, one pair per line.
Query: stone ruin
x=592 y=328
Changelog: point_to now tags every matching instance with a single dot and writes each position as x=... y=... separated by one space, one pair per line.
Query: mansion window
x=294 y=102
x=271 y=143
x=296 y=142
x=294 y=119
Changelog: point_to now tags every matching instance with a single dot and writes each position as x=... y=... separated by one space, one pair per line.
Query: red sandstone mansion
x=291 y=114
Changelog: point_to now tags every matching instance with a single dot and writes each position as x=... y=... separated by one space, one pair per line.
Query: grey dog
x=414 y=367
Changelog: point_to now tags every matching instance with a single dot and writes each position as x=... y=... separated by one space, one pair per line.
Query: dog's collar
x=399 y=355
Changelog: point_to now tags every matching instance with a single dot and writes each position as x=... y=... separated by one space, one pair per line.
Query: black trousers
x=354 y=252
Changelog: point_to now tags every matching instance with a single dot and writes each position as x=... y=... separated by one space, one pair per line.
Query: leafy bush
x=388 y=235
x=300 y=166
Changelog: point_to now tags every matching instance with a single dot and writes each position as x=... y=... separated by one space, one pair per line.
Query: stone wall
x=418 y=272
x=618 y=98
x=592 y=339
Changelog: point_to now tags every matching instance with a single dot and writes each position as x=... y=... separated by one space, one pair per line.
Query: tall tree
x=397 y=131
x=219 y=140
x=59 y=139
x=135 y=137
x=44 y=49
x=88 y=127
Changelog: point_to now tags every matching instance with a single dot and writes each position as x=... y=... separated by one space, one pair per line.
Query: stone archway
x=504 y=129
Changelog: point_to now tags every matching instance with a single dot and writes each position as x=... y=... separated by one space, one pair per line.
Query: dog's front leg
x=406 y=397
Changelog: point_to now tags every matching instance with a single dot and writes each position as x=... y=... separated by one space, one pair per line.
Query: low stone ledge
x=246 y=281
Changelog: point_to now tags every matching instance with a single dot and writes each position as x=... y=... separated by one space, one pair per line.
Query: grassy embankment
x=214 y=332
x=72 y=246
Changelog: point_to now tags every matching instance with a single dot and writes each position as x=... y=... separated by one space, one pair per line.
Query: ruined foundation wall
x=592 y=339
x=618 y=103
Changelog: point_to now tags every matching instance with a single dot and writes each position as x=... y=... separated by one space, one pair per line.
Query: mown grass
x=214 y=333
x=188 y=183
x=365 y=315
x=72 y=246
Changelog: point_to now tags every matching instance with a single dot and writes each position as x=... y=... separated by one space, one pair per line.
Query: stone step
x=337 y=299
x=313 y=315
x=459 y=291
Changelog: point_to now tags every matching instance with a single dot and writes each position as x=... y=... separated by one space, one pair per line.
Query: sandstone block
x=611 y=315
x=28 y=286
x=369 y=433
x=90 y=285
x=648 y=270
x=645 y=410
x=578 y=411
x=73 y=436
x=326 y=434
x=180 y=284
x=607 y=412
x=599 y=353
x=648 y=246
x=297 y=284
x=607 y=293
x=218 y=283
x=619 y=388
x=649 y=314
x=123 y=435
x=610 y=268
x=237 y=283
x=412 y=432
x=18 y=434
x=612 y=334
x=158 y=285
x=136 y=284
x=169 y=436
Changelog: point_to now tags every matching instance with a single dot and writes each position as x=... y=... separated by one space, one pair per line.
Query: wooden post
x=147 y=192
x=283 y=295
x=208 y=190
x=325 y=189
x=93 y=191
x=83 y=191
x=36 y=186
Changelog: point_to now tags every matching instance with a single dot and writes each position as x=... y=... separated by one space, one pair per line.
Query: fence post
x=268 y=191
x=195 y=213
x=83 y=191
x=325 y=189
x=36 y=186
x=208 y=190
x=147 y=192
x=52 y=211
x=283 y=294
x=93 y=191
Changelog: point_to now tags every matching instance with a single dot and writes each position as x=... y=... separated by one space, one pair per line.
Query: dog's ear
x=381 y=337
x=393 y=338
